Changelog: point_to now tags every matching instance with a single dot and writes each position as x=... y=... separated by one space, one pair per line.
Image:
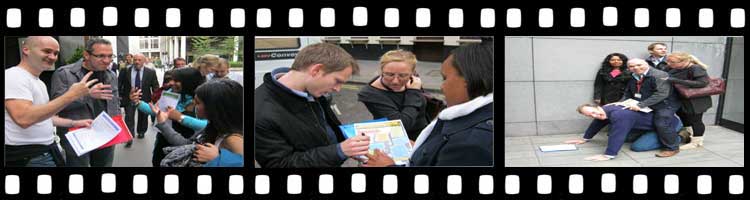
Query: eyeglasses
x=402 y=76
x=102 y=56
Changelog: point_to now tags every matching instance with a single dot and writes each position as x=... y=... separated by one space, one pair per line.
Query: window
x=277 y=43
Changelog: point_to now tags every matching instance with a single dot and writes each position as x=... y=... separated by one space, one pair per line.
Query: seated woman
x=184 y=81
x=463 y=134
x=622 y=121
x=397 y=92
x=221 y=142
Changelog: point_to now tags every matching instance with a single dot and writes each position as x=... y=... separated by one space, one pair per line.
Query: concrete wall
x=546 y=78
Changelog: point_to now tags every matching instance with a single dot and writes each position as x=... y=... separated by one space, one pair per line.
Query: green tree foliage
x=78 y=54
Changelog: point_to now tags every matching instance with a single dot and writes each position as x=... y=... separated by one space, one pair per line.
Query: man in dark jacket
x=136 y=77
x=650 y=90
x=97 y=59
x=657 y=56
x=294 y=125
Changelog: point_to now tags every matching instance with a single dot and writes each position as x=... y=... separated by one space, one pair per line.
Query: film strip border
x=20 y=183
x=223 y=183
x=560 y=20
x=647 y=183
x=323 y=20
x=636 y=18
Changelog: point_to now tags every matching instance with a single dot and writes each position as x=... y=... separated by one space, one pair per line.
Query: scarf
x=451 y=113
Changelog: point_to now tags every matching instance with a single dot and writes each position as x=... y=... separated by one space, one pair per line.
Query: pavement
x=140 y=153
x=722 y=148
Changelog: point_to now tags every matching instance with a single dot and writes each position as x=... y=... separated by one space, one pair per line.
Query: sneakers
x=667 y=153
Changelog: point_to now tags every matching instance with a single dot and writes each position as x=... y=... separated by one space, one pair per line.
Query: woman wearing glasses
x=397 y=92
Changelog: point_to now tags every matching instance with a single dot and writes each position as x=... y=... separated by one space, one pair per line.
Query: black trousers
x=130 y=121
x=695 y=120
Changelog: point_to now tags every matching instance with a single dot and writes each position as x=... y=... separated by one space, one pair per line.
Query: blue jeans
x=650 y=140
x=44 y=160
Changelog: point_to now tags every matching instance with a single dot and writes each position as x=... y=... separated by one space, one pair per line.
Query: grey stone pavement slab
x=722 y=148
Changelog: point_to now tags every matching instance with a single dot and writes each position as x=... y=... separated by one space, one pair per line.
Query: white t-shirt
x=20 y=84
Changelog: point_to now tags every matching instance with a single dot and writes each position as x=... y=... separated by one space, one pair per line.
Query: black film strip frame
x=188 y=177
x=525 y=180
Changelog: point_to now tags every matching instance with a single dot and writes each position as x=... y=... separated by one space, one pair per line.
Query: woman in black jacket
x=397 y=92
x=611 y=79
x=687 y=70
x=463 y=133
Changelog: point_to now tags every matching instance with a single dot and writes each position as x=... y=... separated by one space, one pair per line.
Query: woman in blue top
x=184 y=81
x=221 y=142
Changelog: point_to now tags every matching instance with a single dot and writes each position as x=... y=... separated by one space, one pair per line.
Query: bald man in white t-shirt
x=29 y=114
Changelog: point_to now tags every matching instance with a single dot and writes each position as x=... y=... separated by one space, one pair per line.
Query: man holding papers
x=103 y=129
x=649 y=88
x=96 y=58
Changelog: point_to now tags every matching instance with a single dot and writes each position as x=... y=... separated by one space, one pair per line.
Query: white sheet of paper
x=633 y=102
x=168 y=99
x=103 y=129
x=561 y=147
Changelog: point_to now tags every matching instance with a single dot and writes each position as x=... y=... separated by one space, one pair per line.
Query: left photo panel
x=124 y=101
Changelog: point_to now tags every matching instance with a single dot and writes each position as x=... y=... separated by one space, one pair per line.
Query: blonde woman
x=206 y=64
x=686 y=69
x=397 y=92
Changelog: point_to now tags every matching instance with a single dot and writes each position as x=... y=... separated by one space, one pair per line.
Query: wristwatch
x=182 y=117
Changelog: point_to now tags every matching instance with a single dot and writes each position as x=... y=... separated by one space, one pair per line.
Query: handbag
x=715 y=86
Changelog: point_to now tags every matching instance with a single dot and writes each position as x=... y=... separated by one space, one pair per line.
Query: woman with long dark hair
x=221 y=103
x=611 y=79
x=184 y=82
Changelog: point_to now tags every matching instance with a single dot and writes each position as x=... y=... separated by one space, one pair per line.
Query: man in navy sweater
x=621 y=122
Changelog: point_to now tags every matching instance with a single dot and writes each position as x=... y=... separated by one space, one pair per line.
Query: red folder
x=122 y=137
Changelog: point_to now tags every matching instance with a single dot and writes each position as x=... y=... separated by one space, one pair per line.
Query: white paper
x=631 y=103
x=168 y=99
x=103 y=129
x=561 y=147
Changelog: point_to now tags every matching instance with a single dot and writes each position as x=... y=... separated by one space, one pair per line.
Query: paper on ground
x=102 y=130
x=561 y=147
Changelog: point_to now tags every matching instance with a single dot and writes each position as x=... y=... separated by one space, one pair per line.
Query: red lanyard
x=638 y=85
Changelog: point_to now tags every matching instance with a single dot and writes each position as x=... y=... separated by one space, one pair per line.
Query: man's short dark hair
x=176 y=59
x=652 y=45
x=93 y=41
